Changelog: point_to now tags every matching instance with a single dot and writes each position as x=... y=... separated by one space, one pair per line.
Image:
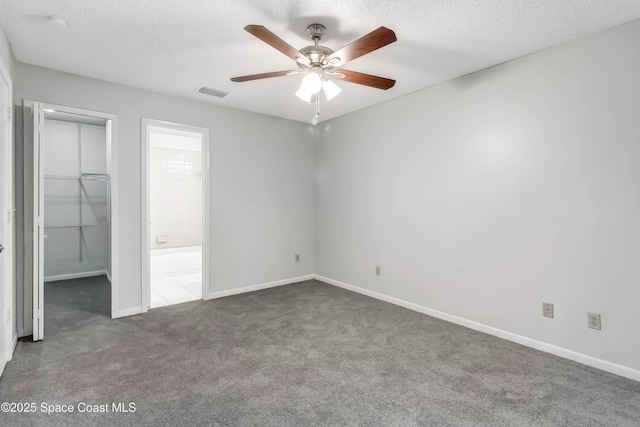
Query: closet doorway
x=74 y=225
x=175 y=213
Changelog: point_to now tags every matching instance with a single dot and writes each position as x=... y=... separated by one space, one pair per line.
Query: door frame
x=145 y=210
x=7 y=222
x=38 y=207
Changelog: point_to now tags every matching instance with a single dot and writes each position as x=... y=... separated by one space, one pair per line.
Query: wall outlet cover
x=593 y=320
x=297 y=257
x=378 y=272
x=547 y=309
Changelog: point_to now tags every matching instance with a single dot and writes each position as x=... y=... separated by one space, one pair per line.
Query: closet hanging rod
x=100 y=176
x=70 y=226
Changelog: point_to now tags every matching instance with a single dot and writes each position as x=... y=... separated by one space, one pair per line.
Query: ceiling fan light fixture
x=311 y=85
x=304 y=94
x=312 y=82
x=331 y=90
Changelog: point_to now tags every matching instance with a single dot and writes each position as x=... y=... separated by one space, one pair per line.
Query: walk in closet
x=76 y=197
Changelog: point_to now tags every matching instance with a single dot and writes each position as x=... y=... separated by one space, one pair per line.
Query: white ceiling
x=173 y=47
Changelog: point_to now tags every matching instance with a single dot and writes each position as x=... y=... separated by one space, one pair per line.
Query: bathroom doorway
x=175 y=215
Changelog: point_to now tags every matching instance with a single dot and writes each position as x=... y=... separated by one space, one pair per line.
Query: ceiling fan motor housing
x=316 y=54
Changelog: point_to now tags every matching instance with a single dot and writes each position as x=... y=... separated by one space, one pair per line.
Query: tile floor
x=174 y=279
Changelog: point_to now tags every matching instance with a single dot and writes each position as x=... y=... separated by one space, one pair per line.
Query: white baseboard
x=106 y=273
x=137 y=310
x=75 y=275
x=127 y=312
x=538 y=345
x=258 y=287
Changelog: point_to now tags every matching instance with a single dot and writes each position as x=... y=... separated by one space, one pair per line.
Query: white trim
x=112 y=168
x=76 y=275
x=106 y=273
x=252 y=288
x=519 y=339
x=38 y=218
x=127 y=312
x=145 y=214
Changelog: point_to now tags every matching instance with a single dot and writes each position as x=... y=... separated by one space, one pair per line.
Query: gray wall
x=484 y=196
x=262 y=191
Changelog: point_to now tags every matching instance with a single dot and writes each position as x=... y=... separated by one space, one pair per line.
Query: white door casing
x=145 y=129
x=38 y=223
x=38 y=205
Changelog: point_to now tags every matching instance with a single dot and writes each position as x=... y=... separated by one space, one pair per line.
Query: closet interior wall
x=76 y=200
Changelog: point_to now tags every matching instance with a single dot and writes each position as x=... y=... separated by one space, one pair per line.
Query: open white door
x=38 y=223
x=7 y=295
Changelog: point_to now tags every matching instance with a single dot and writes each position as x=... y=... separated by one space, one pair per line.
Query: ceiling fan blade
x=264 y=76
x=271 y=39
x=365 y=44
x=364 y=79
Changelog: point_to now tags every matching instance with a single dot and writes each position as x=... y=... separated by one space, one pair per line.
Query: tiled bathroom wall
x=175 y=197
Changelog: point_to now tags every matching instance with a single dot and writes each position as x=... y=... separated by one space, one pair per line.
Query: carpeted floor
x=307 y=354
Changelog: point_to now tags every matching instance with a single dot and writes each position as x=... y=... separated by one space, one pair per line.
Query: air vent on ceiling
x=213 y=92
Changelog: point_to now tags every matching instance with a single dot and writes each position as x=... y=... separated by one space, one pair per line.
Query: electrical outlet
x=594 y=321
x=378 y=271
x=297 y=257
x=547 y=309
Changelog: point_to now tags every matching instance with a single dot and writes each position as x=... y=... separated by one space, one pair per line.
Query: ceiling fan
x=320 y=62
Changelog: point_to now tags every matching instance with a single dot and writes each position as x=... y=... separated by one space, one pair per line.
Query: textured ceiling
x=173 y=47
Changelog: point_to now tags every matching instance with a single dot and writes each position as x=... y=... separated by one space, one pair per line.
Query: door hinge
x=9 y=216
x=39 y=314
x=9 y=114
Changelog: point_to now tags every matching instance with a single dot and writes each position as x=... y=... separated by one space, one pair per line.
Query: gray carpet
x=307 y=354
